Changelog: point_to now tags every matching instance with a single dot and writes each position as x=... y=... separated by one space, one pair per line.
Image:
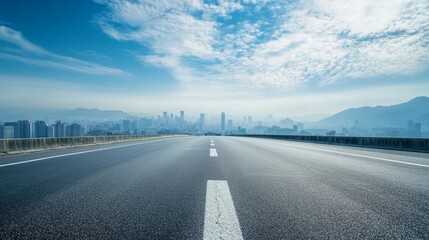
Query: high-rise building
x=23 y=129
x=40 y=129
x=229 y=124
x=222 y=121
x=135 y=126
x=8 y=132
x=295 y=129
x=145 y=122
x=60 y=129
x=300 y=126
x=182 y=116
x=75 y=130
x=126 y=125
x=201 y=121
x=417 y=129
x=9 y=127
x=414 y=129
x=50 y=131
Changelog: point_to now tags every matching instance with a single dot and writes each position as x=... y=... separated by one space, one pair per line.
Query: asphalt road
x=232 y=188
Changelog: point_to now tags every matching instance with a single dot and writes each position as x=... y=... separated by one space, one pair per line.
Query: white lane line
x=211 y=144
x=213 y=152
x=220 y=218
x=357 y=155
x=75 y=153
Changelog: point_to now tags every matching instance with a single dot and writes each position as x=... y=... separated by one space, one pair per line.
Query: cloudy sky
x=249 y=57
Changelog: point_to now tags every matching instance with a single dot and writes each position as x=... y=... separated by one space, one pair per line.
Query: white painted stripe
x=76 y=153
x=357 y=155
x=220 y=218
x=211 y=144
x=213 y=152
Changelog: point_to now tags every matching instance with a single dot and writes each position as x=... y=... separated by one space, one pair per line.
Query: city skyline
x=407 y=119
x=290 y=59
x=168 y=123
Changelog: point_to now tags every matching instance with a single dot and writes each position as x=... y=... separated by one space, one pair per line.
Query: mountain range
x=398 y=115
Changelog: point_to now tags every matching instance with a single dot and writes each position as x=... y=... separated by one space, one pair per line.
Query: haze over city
x=242 y=57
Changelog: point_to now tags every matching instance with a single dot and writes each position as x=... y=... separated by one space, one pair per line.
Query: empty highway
x=215 y=188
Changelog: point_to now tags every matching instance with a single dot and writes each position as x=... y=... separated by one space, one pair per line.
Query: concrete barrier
x=8 y=146
x=405 y=144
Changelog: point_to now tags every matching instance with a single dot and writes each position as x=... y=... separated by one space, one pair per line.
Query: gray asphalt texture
x=157 y=190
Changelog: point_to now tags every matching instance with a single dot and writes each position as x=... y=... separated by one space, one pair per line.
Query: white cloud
x=16 y=38
x=363 y=18
x=30 y=53
x=379 y=38
x=309 y=42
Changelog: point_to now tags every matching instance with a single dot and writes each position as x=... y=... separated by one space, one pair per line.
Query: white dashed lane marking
x=220 y=217
x=213 y=152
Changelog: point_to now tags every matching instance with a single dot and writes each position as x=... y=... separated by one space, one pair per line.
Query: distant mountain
x=416 y=109
x=13 y=114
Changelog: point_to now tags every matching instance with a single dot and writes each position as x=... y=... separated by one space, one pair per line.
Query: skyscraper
x=126 y=125
x=40 y=129
x=201 y=121
x=75 y=130
x=182 y=116
x=50 y=131
x=10 y=128
x=229 y=124
x=60 y=129
x=8 y=132
x=222 y=121
x=23 y=129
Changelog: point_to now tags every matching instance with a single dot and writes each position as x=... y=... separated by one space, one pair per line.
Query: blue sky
x=288 y=58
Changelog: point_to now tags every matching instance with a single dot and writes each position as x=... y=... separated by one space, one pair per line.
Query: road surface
x=215 y=188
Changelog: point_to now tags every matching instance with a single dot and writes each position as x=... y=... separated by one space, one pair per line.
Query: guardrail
x=405 y=144
x=30 y=144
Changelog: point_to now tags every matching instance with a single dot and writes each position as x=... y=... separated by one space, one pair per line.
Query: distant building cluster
x=166 y=123
x=40 y=129
x=413 y=130
x=169 y=123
